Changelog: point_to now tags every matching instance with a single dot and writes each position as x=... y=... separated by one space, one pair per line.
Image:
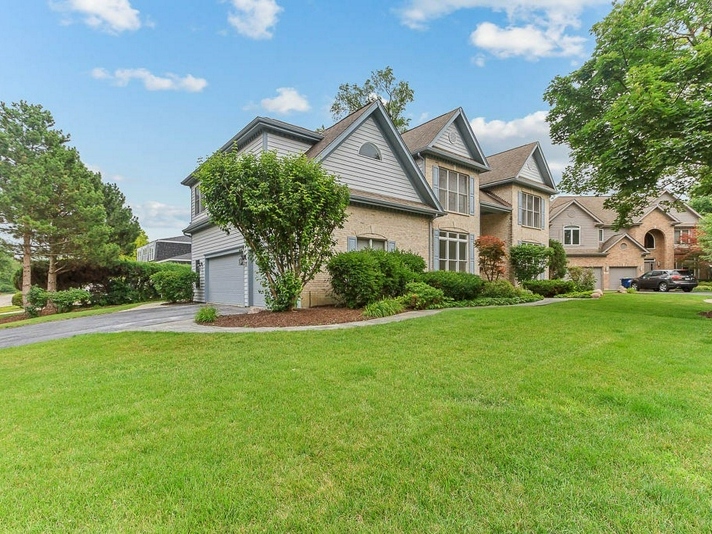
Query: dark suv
x=665 y=280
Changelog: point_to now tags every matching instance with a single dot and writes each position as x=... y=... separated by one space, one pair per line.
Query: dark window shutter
x=471 y=252
x=543 y=213
x=436 y=250
x=436 y=179
x=351 y=244
x=521 y=207
x=472 y=195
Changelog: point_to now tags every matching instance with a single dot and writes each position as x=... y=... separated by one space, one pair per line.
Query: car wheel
x=634 y=286
x=663 y=287
x=687 y=289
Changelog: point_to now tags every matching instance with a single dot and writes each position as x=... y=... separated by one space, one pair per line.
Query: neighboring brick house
x=515 y=197
x=585 y=228
x=418 y=192
x=170 y=249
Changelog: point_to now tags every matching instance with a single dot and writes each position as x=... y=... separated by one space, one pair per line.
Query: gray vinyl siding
x=385 y=177
x=575 y=216
x=253 y=147
x=458 y=146
x=531 y=171
x=284 y=145
x=210 y=241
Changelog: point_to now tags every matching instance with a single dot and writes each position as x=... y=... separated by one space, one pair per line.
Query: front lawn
x=581 y=416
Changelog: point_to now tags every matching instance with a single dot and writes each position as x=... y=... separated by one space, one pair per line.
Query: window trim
x=575 y=230
x=443 y=193
x=524 y=211
x=459 y=238
x=198 y=205
x=375 y=154
x=645 y=240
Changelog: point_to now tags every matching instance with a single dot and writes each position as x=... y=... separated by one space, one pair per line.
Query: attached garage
x=616 y=273
x=225 y=280
x=598 y=273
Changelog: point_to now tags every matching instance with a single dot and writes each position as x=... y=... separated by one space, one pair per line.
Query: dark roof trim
x=493 y=207
x=443 y=154
x=521 y=181
x=198 y=225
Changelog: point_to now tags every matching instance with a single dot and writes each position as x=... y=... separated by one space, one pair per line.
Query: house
x=585 y=228
x=170 y=249
x=419 y=191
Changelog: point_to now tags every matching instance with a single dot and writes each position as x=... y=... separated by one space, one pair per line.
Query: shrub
x=384 y=308
x=394 y=270
x=356 y=278
x=557 y=260
x=67 y=300
x=206 y=314
x=37 y=299
x=528 y=261
x=421 y=296
x=583 y=277
x=175 y=284
x=575 y=295
x=492 y=255
x=414 y=262
x=499 y=289
x=496 y=301
x=550 y=288
x=287 y=288
x=457 y=286
x=17 y=299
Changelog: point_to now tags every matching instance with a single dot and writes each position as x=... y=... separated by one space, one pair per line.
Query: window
x=572 y=235
x=370 y=151
x=601 y=235
x=197 y=201
x=649 y=240
x=530 y=210
x=453 y=252
x=682 y=236
x=375 y=244
x=453 y=190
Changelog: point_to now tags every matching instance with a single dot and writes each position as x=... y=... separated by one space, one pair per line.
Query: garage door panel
x=225 y=280
x=616 y=273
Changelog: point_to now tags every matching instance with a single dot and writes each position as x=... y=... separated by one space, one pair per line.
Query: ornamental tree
x=382 y=85
x=492 y=255
x=287 y=209
x=528 y=261
x=636 y=115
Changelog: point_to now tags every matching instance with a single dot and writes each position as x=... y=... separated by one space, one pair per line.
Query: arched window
x=649 y=240
x=370 y=151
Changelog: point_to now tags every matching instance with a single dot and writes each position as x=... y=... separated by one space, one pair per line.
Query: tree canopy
x=382 y=85
x=286 y=208
x=636 y=115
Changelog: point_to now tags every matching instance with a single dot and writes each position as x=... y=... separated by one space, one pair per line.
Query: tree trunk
x=26 y=267
x=52 y=274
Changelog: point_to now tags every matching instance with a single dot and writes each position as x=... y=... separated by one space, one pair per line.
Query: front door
x=649 y=264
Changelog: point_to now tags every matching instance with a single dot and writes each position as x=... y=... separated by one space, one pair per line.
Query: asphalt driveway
x=154 y=317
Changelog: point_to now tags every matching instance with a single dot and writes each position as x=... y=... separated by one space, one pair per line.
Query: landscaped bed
x=580 y=416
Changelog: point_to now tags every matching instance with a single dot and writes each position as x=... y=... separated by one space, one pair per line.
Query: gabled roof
x=507 y=166
x=491 y=203
x=339 y=132
x=651 y=209
x=557 y=208
x=424 y=138
x=617 y=238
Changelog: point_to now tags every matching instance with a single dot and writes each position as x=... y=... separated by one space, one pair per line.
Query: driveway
x=152 y=317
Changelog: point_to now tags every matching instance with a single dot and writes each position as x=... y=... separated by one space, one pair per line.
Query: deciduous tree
x=636 y=115
x=382 y=85
x=492 y=255
x=287 y=209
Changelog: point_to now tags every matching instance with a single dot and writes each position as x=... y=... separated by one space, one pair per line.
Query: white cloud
x=113 y=16
x=105 y=176
x=537 y=28
x=254 y=18
x=168 y=82
x=288 y=100
x=497 y=136
x=161 y=220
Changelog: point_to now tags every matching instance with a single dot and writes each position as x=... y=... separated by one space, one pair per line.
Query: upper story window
x=370 y=151
x=454 y=190
x=601 y=235
x=198 y=206
x=530 y=210
x=683 y=236
x=649 y=240
x=572 y=235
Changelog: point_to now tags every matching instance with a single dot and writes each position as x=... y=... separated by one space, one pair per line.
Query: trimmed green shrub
x=356 y=278
x=457 y=286
x=37 y=299
x=550 y=288
x=384 y=308
x=175 y=284
x=575 y=295
x=206 y=314
x=421 y=296
x=524 y=298
x=17 y=299
x=396 y=274
x=528 y=261
x=288 y=288
x=499 y=289
x=67 y=300
x=414 y=262
x=583 y=277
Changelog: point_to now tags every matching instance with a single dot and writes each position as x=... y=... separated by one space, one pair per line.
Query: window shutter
x=543 y=213
x=391 y=246
x=351 y=244
x=521 y=208
x=436 y=250
x=472 y=195
x=436 y=179
x=471 y=252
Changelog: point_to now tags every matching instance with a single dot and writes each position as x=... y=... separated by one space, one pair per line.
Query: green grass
x=7 y=309
x=99 y=310
x=581 y=416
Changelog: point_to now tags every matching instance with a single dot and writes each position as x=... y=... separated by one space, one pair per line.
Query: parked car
x=666 y=280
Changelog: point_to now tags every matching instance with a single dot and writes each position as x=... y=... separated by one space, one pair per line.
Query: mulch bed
x=322 y=315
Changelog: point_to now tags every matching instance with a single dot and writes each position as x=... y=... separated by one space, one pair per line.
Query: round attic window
x=452 y=137
x=624 y=246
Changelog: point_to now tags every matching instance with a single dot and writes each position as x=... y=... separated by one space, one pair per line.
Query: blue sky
x=145 y=88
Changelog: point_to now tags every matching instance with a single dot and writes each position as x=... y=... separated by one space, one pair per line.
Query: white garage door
x=598 y=273
x=616 y=273
x=225 y=280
